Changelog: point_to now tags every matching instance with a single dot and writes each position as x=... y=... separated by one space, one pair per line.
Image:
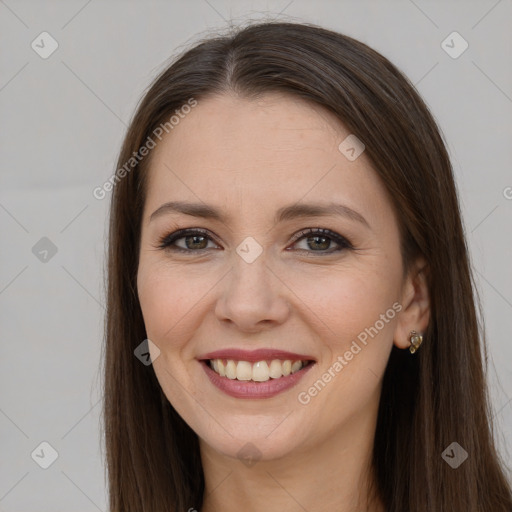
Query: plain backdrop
x=63 y=120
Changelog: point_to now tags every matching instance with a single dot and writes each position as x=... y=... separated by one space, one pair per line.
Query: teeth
x=296 y=366
x=243 y=370
x=260 y=371
x=275 y=370
x=231 y=370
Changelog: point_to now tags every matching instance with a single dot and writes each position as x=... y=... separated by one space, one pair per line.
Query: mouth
x=259 y=371
x=255 y=374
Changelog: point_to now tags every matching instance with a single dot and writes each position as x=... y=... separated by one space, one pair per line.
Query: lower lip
x=251 y=389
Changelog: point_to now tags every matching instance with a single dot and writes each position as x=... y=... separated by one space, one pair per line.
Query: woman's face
x=247 y=282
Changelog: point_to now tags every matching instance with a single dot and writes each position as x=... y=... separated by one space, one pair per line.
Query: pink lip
x=250 y=389
x=253 y=356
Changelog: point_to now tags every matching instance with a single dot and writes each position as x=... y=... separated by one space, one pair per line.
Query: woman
x=286 y=249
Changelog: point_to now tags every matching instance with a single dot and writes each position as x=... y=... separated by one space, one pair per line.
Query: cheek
x=356 y=316
x=167 y=300
x=343 y=304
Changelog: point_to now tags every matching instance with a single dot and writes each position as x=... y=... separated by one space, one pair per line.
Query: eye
x=196 y=240
x=321 y=239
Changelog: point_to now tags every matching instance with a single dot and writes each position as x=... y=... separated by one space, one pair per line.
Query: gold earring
x=415 y=340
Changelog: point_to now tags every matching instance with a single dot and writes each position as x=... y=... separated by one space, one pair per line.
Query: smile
x=260 y=371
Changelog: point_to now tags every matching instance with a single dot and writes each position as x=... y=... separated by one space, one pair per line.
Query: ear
x=415 y=301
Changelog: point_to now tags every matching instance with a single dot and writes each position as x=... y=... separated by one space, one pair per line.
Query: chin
x=250 y=448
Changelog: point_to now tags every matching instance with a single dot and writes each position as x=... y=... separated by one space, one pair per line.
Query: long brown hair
x=428 y=401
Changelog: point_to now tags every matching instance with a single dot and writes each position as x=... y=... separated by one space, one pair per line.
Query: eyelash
x=165 y=242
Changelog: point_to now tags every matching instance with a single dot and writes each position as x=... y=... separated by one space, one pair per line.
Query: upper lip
x=261 y=354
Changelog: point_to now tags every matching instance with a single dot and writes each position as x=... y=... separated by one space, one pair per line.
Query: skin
x=249 y=158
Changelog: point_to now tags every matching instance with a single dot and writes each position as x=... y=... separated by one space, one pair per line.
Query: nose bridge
x=250 y=270
x=253 y=293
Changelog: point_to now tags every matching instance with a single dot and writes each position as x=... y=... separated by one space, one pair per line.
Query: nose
x=252 y=296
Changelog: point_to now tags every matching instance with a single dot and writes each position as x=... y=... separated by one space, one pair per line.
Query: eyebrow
x=290 y=212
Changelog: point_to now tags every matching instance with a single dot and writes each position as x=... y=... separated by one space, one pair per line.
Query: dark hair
x=428 y=401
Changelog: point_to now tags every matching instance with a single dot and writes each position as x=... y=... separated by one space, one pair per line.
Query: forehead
x=273 y=123
x=258 y=153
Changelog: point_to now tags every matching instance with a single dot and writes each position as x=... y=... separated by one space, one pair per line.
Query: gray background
x=63 y=119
